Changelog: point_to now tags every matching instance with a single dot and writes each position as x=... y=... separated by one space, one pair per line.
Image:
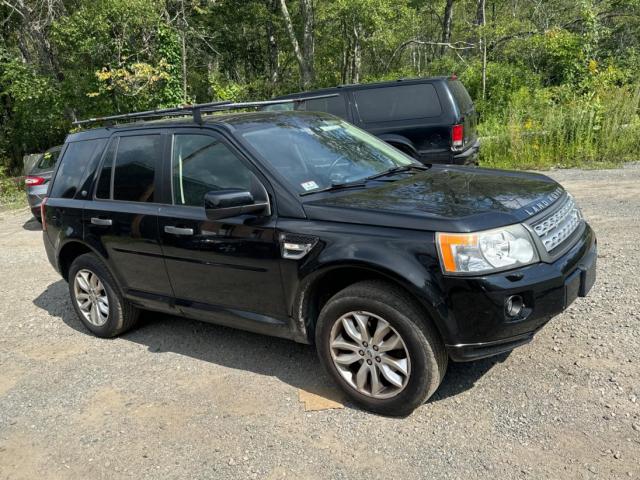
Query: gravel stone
x=181 y=399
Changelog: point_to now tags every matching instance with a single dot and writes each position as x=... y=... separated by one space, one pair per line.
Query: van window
x=79 y=160
x=402 y=102
x=333 y=105
x=135 y=166
x=460 y=95
x=200 y=164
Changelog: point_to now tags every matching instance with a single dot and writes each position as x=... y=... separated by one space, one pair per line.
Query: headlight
x=485 y=252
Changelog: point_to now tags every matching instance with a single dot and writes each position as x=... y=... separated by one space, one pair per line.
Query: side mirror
x=231 y=202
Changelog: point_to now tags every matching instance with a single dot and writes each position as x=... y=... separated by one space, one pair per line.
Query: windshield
x=315 y=152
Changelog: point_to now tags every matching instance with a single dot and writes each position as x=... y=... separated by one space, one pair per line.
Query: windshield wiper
x=362 y=182
x=336 y=186
x=400 y=169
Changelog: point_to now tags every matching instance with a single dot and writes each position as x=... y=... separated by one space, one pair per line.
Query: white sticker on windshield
x=310 y=185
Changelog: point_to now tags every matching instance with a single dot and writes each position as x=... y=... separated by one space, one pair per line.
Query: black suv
x=300 y=225
x=431 y=119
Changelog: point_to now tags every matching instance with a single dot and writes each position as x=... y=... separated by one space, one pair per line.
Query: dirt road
x=181 y=399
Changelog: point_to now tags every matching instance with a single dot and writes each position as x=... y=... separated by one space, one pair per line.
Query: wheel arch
x=72 y=250
x=317 y=289
x=401 y=143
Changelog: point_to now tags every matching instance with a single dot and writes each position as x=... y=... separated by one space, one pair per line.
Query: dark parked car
x=37 y=180
x=302 y=226
x=431 y=119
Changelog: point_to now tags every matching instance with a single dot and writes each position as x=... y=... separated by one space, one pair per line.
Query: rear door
x=68 y=193
x=227 y=270
x=122 y=219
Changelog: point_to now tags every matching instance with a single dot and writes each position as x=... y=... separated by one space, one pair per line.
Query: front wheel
x=377 y=345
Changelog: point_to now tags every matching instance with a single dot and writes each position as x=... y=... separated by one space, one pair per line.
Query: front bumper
x=476 y=319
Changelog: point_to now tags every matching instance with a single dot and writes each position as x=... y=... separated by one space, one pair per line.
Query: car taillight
x=457 y=135
x=32 y=181
x=42 y=214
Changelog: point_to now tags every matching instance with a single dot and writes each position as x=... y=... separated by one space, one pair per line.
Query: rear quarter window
x=78 y=161
x=402 y=102
x=460 y=95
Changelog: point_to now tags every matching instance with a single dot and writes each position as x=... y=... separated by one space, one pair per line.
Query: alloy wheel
x=370 y=354
x=91 y=297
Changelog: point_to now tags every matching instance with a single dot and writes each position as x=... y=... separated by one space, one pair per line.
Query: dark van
x=431 y=119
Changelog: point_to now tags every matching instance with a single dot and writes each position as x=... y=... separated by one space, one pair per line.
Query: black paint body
x=231 y=271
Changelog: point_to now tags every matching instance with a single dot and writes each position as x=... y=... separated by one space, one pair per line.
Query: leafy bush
x=553 y=127
x=12 y=193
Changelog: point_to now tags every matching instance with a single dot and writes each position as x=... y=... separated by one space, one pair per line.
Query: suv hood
x=444 y=198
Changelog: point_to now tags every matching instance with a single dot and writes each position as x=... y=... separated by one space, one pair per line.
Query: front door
x=122 y=219
x=228 y=270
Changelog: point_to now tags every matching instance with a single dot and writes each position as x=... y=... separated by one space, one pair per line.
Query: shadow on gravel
x=32 y=225
x=463 y=376
x=292 y=363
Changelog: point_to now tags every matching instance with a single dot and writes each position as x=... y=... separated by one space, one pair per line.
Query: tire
x=423 y=355
x=121 y=315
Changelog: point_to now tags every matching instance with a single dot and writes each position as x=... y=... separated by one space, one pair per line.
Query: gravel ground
x=182 y=399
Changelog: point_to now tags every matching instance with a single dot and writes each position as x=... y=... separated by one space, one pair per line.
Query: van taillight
x=43 y=214
x=457 y=135
x=32 y=181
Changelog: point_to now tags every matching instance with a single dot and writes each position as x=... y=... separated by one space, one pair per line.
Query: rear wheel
x=377 y=345
x=97 y=300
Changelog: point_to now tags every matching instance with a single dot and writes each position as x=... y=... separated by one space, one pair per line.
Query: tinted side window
x=104 y=181
x=134 y=168
x=402 y=102
x=200 y=164
x=71 y=172
x=460 y=95
x=334 y=105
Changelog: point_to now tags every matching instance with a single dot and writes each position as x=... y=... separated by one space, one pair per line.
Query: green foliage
x=12 y=194
x=548 y=128
x=558 y=83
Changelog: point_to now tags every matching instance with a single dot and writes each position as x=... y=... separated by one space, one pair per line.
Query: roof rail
x=196 y=110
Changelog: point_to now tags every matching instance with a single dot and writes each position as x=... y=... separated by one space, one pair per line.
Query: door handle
x=105 y=222
x=178 y=231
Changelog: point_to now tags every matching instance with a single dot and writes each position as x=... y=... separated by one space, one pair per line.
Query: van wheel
x=97 y=300
x=377 y=345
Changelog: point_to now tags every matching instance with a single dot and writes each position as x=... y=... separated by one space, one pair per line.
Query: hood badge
x=539 y=206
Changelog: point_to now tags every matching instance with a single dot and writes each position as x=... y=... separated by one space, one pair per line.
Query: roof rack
x=196 y=110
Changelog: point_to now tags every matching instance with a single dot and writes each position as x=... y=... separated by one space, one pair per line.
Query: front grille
x=554 y=229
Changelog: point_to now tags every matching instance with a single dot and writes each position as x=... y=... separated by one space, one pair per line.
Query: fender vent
x=295 y=246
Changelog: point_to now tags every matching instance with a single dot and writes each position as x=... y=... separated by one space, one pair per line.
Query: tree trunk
x=274 y=63
x=185 y=96
x=304 y=56
x=357 y=56
x=481 y=20
x=446 y=25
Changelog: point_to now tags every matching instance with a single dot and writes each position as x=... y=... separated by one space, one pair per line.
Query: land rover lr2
x=302 y=226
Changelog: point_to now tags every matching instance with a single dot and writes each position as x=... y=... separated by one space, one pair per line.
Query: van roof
x=355 y=86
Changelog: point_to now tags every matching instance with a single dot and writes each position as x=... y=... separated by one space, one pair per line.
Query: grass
x=12 y=194
x=538 y=131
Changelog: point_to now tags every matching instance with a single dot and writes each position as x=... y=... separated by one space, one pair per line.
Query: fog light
x=514 y=305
